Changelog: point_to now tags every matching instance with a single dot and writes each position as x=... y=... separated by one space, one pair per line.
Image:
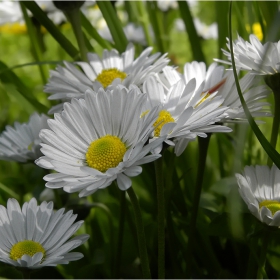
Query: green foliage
x=227 y=238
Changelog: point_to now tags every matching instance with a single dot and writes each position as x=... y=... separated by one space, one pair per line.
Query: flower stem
x=25 y=273
x=203 y=144
x=36 y=51
x=261 y=269
x=74 y=18
x=140 y=234
x=144 y=20
x=120 y=235
x=276 y=122
x=161 y=217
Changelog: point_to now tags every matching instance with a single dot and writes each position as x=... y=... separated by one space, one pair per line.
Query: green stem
x=74 y=18
x=25 y=273
x=120 y=235
x=161 y=217
x=144 y=20
x=156 y=22
x=140 y=234
x=114 y=24
x=276 y=122
x=261 y=269
x=93 y=33
x=34 y=42
x=203 y=144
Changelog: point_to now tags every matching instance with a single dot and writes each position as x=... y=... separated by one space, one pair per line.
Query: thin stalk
x=25 y=273
x=261 y=269
x=34 y=42
x=140 y=234
x=144 y=20
x=74 y=18
x=120 y=236
x=276 y=122
x=203 y=144
x=161 y=217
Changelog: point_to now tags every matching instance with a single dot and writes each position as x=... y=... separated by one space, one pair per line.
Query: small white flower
x=180 y=119
x=36 y=236
x=112 y=69
x=215 y=81
x=259 y=187
x=97 y=140
x=254 y=56
x=22 y=143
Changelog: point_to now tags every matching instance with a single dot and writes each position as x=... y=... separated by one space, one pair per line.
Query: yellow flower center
x=163 y=118
x=105 y=152
x=272 y=205
x=26 y=247
x=107 y=76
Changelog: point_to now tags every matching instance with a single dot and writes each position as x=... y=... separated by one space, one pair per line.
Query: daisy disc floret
x=99 y=139
x=113 y=68
x=36 y=236
x=253 y=56
x=259 y=187
x=22 y=143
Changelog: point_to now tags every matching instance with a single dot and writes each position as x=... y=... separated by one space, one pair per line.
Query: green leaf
x=156 y=22
x=9 y=191
x=114 y=24
x=272 y=153
x=221 y=18
x=93 y=33
x=40 y=15
x=12 y=78
x=191 y=31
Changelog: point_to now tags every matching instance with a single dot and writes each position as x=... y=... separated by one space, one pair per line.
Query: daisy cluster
x=113 y=114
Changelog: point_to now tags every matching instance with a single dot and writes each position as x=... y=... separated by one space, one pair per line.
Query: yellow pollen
x=272 y=205
x=202 y=100
x=26 y=247
x=105 y=152
x=144 y=114
x=107 y=76
x=163 y=118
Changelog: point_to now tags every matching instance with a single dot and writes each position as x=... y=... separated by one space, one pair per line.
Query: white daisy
x=97 y=140
x=254 y=56
x=113 y=68
x=36 y=236
x=259 y=187
x=180 y=119
x=22 y=143
x=217 y=82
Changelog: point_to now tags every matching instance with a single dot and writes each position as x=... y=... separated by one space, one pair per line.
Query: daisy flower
x=22 y=143
x=254 y=56
x=259 y=187
x=97 y=140
x=215 y=81
x=36 y=236
x=68 y=82
x=180 y=120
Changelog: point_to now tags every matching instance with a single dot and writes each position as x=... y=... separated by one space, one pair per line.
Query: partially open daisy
x=215 y=81
x=180 y=120
x=36 y=236
x=67 y=83
x=254 y=56
x=97 y=140
x=259 y=186
x=22 y=143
